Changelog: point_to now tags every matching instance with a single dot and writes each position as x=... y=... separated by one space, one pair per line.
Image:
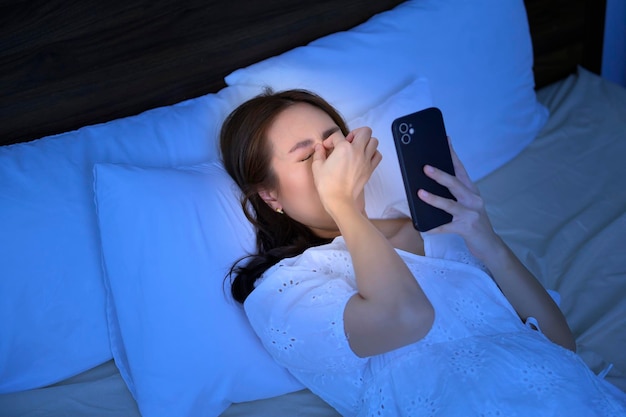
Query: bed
x=118 y=222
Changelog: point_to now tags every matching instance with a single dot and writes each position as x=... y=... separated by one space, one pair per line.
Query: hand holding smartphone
x=420 y=139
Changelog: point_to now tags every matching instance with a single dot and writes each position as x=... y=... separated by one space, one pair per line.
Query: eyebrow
x=307 y=142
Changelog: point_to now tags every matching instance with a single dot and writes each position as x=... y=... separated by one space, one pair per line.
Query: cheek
x=298 y=185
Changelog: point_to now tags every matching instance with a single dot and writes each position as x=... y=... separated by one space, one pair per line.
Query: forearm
x=390 y=309
x=401 y=234
x=527 y=296
x=379 y=270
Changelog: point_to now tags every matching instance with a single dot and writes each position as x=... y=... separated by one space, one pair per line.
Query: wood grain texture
x=67 y=64
x=565 y=34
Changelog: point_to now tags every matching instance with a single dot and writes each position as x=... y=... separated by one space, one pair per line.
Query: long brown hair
x=246 y=155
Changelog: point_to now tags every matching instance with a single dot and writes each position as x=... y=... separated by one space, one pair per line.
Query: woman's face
x=292 y=137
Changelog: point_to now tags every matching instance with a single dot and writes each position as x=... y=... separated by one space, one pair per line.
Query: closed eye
x=308 y=157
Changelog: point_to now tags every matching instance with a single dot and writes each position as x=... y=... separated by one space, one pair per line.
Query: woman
x=370 y=315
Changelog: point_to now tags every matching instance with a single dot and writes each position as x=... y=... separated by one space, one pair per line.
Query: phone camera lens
x=403 y=128
x=405 y=139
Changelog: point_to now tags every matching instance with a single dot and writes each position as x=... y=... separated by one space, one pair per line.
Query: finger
x=442 y=203
x=467 y=198
x=350 y=136
x=361 y=130
x=362 y=135
x=459 y=168
x=319 y=153
x=376 y=159
x=371 y=147
x=441 y=176
x=465 y=193
x=328 y=142
x=334 y=140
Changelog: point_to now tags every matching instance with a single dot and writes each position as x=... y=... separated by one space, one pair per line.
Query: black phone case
x=420 y=138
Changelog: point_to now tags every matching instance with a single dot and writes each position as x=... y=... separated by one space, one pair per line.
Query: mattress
x=560 y=205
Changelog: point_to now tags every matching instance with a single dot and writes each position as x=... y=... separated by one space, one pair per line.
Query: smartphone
x=420 y=139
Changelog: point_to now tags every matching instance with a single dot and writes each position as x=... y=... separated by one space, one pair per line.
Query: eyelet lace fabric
x=478 y=359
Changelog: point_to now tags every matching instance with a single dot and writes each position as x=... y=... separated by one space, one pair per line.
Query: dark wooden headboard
x=565 y=34
x=67 y=64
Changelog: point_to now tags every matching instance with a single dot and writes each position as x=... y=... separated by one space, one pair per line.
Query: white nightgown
x=478 y=359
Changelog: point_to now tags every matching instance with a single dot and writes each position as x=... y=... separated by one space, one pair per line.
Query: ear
x=270 y=198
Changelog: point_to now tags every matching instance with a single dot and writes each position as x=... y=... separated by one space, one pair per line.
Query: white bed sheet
x=560 y=205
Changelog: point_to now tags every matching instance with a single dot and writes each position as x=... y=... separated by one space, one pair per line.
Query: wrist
x=338 y=208
x=487 y=247
x=498 y=256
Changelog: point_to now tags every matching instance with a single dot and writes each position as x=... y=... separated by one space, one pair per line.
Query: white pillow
x=52 y=314
x=386 y=186
x=182 y=345
x=476 y=54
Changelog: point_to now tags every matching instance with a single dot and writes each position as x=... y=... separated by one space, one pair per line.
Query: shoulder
x=318 y=262
x=306 y=294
